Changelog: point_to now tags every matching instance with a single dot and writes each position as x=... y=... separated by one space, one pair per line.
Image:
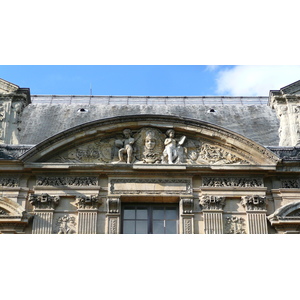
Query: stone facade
x=154 y=172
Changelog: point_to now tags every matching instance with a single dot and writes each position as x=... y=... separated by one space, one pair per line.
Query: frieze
x=183 y=186
x=65 y=225
x=43 y=201
x=254 y=202
x=235 y=225
x=67 y=181
x=9 y=181
x=88 y=202
x=232 y=181
x=291 y=183
x=212 y=202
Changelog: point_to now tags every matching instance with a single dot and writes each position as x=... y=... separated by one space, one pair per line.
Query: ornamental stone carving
x=254 y=202
x=88 y=202
x=66 y=225
x=173 y=152
x=113 y=205
x=9 y=181
x=148 y=145
x=212 y=202
x=235 y=225
x=43 y=201
x=125 y=145
x=232 y=181
x=291 y=183
x=187 y=205
x=67 y=181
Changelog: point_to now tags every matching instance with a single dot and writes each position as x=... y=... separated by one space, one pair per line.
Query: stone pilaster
x=44 y=206
x=212 y=213
x=187 y=215
x=256 y=214
x=87 y=214
x=113 y=215
x=42 y=222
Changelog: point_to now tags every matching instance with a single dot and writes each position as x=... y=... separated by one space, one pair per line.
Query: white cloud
x=255 y=80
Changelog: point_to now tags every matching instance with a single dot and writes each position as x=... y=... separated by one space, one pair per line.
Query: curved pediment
x=150 y=139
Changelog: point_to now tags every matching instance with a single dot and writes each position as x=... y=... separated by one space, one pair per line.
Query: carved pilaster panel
x=254 y=202
x=113 y=224
x=209 y=202
x=42 y=222
x=113 y=215
x=87 y=222
x=188 y=224
x=43 y=201
x=213 y=222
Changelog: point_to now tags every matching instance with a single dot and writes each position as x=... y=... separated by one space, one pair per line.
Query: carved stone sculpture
x=66 y=225
x=126 y=147
x=254 y=202
x=235 y=225
x=149 y=154
x=187 y=205
x=88 y=202
x=212 y=202
x=173 y=152
x=43 y=201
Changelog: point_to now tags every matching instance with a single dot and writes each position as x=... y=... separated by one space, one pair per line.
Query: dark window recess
x=149 y=219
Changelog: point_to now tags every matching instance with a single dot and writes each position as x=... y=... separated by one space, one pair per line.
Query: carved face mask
x=150 y=141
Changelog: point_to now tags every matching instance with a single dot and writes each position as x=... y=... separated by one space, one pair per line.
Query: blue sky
x=150 y=80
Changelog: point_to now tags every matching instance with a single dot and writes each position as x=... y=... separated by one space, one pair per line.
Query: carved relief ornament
x=88 y=202
x=235 y=225
x=67 y=181
x=232 y=181
x=113 y=205
x=187 y=205
x=212 y=202
x=254 y=202
x=149 y=145
x=43 y=201
x=66 y=225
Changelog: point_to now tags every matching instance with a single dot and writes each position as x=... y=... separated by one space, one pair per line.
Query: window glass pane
x=129 y=213
x=141 y=213
x=158 y=227
x=158 y=213
x=128 y=226
x=171 y=227
x=171 y=213
x=142 y=227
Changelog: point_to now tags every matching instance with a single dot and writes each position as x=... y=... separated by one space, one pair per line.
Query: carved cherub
x=126 y=146
x=173 y=151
